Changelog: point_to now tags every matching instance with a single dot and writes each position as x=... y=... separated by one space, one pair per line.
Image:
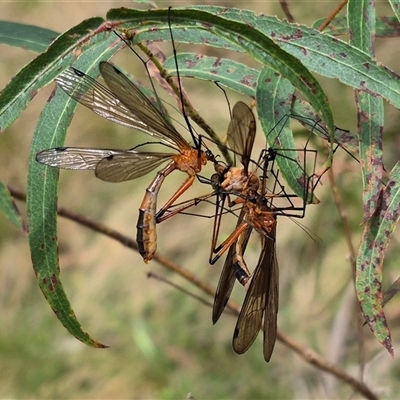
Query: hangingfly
x=258 y=212
x=123 y=102
x=260 y=306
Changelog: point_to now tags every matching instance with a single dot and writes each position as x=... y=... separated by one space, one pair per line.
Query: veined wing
x=104 y=102
x=242 y=132
x=228 y=274
x=261 y=296
x=139 y=105
x=271 y=311
x=127 y=165
x=110 y=165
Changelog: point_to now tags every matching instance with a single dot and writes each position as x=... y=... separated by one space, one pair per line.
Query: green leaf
x=42 y=194
x=321 y=53
x=8 y=206
x=258 y=45
x=243 y=79
x=370 y=110
x=376 y=237
x=274 y=97
x=324 y=54
x=384 y=26
x=47 y=66
x=28 y=37
x=380 y=221
x=371 y=121
x=229 y=73
x=395 y=4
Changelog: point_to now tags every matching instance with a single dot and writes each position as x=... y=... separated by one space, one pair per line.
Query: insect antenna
x=183 y=108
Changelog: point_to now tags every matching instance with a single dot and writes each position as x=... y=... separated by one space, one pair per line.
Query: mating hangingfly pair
x=255 y=192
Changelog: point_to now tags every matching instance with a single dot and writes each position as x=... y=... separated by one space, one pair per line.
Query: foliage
x=287 y=56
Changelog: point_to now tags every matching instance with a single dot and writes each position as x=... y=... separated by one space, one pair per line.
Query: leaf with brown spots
x=42 y=196
x=376 y=237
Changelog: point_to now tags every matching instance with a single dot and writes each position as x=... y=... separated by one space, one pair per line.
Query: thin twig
x=285 y=8
x=332 y=15
x=306 y=353
x=180 y=288
x=314 y=359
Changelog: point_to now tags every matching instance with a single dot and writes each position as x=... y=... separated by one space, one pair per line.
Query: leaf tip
x=387 y=343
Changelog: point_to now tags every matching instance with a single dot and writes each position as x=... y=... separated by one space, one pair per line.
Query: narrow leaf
x=28 y=37
x=8 y=206
x=43 y=69
x=274 y=103
x=229 y=73
x=42 y=195
x=321 y=53
x=253 y=41
x=376 y=237
x=395 y=4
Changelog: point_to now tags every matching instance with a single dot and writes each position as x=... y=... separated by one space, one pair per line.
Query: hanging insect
x=240 y=186
x=249 y=191
x=123 y=102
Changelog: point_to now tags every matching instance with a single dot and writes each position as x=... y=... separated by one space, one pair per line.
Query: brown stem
x=285 y=8
x=314 y=359
x=332 y=15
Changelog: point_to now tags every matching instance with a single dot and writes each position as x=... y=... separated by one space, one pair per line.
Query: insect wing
x=104 y=102
x=256 y=301
x=73 y=157
x=110 y=165
x=140 y=106
x=98 y=98
x=128 y=165
x=242 y=132
x=228 y=275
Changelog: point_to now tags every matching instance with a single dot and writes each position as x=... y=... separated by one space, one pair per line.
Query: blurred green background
x=163 y=344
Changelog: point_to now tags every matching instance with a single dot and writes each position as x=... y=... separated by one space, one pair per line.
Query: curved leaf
x=370 y=116
x=274 y=103
x=229 y=73
x=376 y=236
x=42 y=195
x=258 y=45
x=28 y=37
x=321 y=53
x=48 y=65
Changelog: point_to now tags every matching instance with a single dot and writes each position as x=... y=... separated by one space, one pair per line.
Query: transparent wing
x=242 y=132
x=126 y=166
x=110 y=165
x=104 y=102
x=139 y=105
x=73 y=157
x=228 y=273
x=257 y=298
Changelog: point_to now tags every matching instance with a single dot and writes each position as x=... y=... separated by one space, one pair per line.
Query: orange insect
x=124 y=103
x=258 y=212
